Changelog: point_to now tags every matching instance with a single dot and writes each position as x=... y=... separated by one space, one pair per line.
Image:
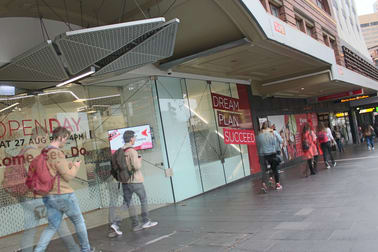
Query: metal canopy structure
x=110 y=49
x=40 y=63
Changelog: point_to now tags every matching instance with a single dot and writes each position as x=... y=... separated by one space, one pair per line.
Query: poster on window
x=290 y=129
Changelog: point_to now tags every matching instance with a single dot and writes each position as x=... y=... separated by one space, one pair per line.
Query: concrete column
x=354 y=126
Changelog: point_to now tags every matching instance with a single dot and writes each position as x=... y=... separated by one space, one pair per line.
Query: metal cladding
x=113 y=49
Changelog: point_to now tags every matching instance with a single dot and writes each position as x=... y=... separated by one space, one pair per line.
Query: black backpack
x=119 y=169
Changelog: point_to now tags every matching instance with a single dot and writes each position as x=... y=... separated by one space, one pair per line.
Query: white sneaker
x=334 y=164
x=373 y=148
x=149 y=224
x=369 y=148
x=328 y=166
x=278 y=186
x=116 y=229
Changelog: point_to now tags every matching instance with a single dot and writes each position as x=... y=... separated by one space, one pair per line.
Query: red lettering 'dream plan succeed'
x=237 y=136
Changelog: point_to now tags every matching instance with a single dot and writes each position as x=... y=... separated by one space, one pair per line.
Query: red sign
x=279 y=28
x=227 y=119
x=239 y=136
x=225 y=103
x=340 y=95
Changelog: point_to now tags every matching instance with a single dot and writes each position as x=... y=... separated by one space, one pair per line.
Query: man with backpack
x=32 y=205
x=126 y=169
x=60 y=198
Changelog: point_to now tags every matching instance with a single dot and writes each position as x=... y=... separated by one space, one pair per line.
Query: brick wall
x=321 y=20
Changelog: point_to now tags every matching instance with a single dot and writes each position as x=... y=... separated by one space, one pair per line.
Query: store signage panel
x=222 y=102
x=342 y=114
x=340 y=95
x=368 y=110
x=355 y=98
x=227 y=119
x=239 y=136
x=279 y=28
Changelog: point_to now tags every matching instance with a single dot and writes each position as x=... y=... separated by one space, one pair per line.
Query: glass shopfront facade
x=185 y=134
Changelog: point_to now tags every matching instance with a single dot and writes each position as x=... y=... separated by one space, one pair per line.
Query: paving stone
x=336 y=210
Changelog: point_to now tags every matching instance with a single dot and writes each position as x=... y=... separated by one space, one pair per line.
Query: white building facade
x=348 y=27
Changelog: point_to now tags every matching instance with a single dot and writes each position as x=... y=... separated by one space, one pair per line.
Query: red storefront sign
x=227 y=119
x=340 y=95
x=239 y=136
x=279 y=28
x=225 y=103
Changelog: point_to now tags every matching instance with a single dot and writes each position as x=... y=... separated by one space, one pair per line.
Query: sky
x=364 y=6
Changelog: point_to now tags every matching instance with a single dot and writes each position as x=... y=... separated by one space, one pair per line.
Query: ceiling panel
x=86 y=47
x=40 y=63
x=156 y=47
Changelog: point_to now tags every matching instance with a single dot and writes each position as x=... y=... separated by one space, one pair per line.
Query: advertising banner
x=290 y=129
x=142 y=133
x=227 y=103
x=239 y=136
x=226 y=119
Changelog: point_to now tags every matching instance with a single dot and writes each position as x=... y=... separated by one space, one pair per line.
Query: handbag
x=279 y=158
x=333 y=147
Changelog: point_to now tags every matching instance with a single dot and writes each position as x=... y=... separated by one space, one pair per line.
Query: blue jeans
x=57 y=205
x=32 y=209
x=138 y=189
x=370 y=141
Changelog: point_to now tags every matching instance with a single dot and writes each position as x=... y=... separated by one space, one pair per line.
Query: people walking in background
x=369 y=133
x=326 y=139
x=338 y=138
x=317 y=151
x=279 y=142
x=267 y=144
x=309 y=147
x=127 y=164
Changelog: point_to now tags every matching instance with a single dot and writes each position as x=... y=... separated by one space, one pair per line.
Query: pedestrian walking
x=267 y=144
x=326 y=140
x=369 y=136
x=127 y=166
x=338 y=138
x=309 y=147
x=61 y=198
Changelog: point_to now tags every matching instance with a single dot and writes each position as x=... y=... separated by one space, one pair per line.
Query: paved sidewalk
x=335 y=210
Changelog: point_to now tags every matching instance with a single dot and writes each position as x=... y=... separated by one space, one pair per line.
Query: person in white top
x=326 y=139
